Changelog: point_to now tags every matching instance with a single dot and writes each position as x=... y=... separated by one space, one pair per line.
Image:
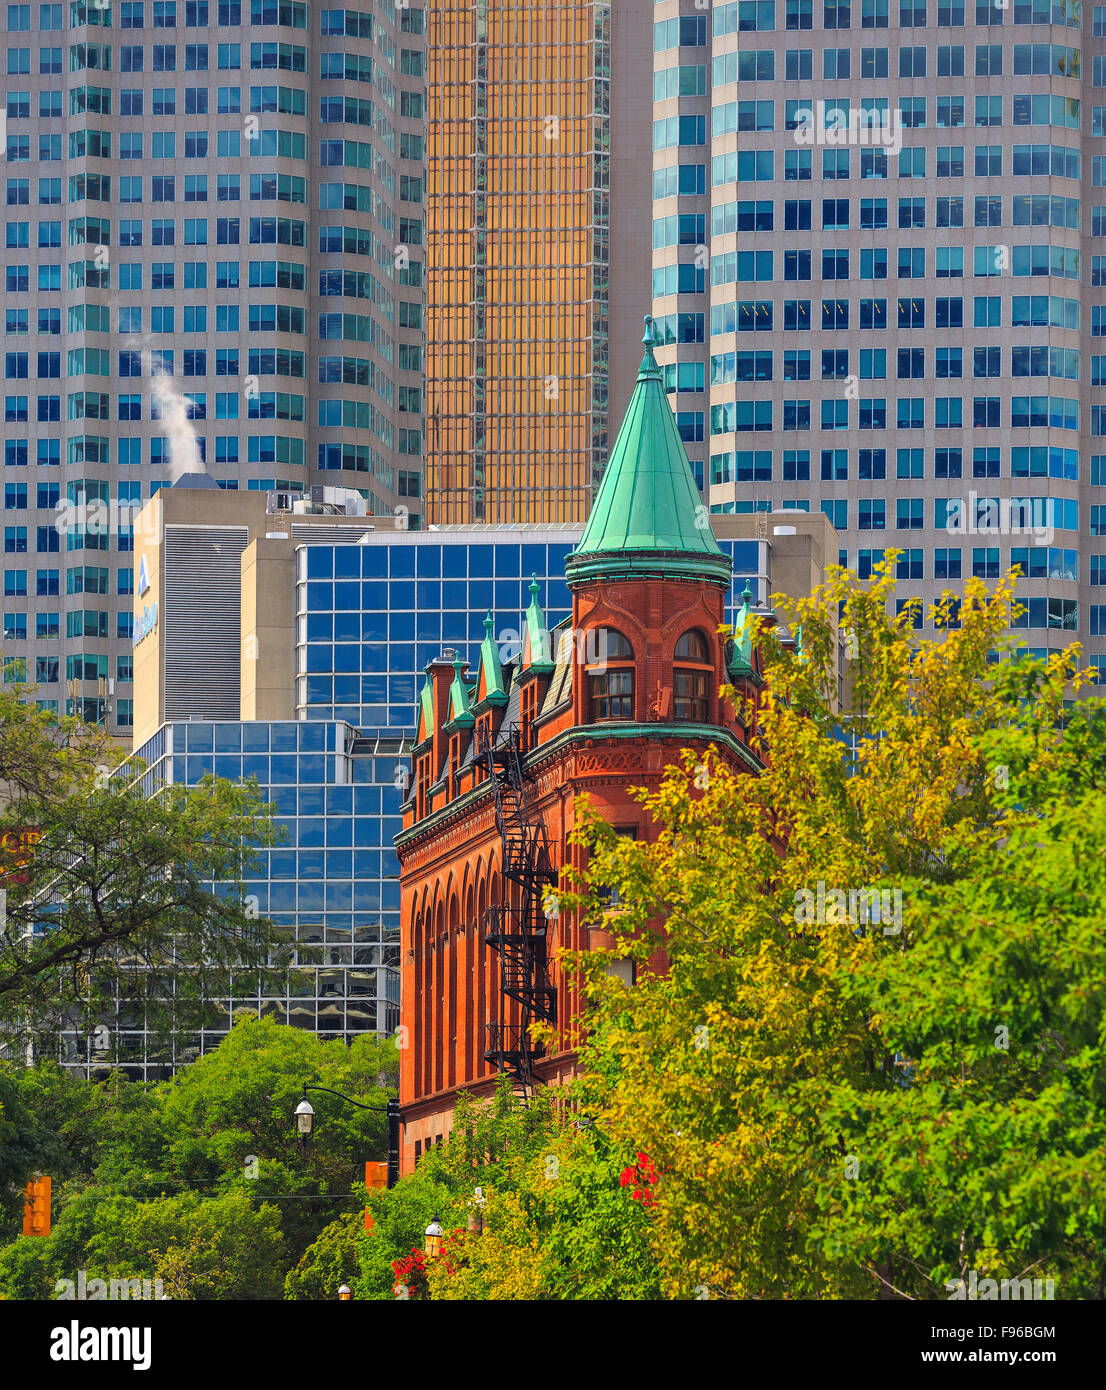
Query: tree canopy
x=109 y=911
x=876 y=1063
x=199 y=1180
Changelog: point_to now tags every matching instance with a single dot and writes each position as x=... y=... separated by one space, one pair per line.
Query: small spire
x=490 y=672
x=741 y=653
x=649 y=370
x=536 y=639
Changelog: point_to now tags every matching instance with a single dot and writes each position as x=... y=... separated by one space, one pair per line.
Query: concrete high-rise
x=876 y=265
x=537 y=249
x=214 y=261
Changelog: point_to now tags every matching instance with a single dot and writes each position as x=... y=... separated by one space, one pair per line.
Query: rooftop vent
x=196 y=480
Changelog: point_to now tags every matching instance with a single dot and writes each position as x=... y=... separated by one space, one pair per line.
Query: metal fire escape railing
x=517 y=929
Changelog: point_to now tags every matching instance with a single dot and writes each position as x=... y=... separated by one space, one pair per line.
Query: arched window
x=605 y=644
x=692 y=647
x=690 y=678
x=610 y=674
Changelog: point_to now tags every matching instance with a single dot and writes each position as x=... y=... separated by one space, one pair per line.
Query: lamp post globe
x=305 y=1119
x=344 y=1293
x=434 y=1235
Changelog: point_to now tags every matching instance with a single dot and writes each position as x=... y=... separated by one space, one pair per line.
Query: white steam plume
x=172 y=404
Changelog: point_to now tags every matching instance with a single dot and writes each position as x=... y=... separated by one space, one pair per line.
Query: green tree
x=227 y=1120
x=49 y=1123
x=109 y=908
x=205 y=1249
x=556 y=1220
x=27 y=1269
x=222 y=1128
x=330 y=1261
x=840 y=1105
x=561 y=1224
x=488 y=1142
x=210 y=1248
x=45 y=756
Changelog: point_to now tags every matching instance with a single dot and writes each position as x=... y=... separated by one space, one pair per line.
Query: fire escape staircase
x=516 y=927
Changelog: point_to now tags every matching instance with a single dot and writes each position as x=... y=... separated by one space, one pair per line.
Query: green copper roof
x=460 y=715
x=494 y=689
x=648 y=517
x=740 y=655
x=538 y=644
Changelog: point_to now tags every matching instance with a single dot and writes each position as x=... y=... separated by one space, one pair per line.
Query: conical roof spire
x=490 y=675
x=460 y=708
x=535 y=646
x=648 y=516
x=426 y=710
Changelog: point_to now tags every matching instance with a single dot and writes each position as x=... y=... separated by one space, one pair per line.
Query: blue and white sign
x=145 y=624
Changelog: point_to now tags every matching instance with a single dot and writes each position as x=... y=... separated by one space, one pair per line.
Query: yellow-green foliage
x=824 y=1097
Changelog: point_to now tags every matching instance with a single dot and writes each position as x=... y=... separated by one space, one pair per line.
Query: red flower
x=410 y=1271
x=644 y=1172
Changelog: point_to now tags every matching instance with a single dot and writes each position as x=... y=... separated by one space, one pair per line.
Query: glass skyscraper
x=877 y=252
x=537 y=249
x=332 y=884
x=227 y=195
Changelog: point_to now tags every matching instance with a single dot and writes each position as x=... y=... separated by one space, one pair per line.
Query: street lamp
x=305 y=1119
x=344 y=1294
x=434 y=1235
x=305 y=1123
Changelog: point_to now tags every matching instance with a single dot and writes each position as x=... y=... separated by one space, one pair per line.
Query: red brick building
x=600 y=704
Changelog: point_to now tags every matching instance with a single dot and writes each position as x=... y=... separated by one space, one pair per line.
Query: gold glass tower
x=518 y=258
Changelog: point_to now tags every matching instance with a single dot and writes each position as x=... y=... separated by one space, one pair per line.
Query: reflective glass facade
x=334 y=882
x=372 y=615
x=518 y=223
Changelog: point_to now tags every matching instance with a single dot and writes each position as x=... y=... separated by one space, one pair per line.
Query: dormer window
x=693 y=669
x=422 y=787
x=454 y=764
x=528 y=713
x=610 y=675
